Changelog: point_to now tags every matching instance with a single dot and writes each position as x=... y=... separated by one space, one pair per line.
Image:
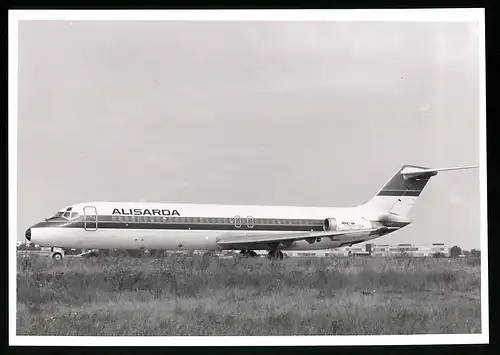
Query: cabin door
x=90 y=218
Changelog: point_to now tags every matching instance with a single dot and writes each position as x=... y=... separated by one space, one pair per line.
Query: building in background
x=406 y=249
x=374 y=250
x=381 y=250
x=344 y=251
x=439 y=248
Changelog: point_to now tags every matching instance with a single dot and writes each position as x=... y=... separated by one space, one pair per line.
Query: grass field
x=203 y=295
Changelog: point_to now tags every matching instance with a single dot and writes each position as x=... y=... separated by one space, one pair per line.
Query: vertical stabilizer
x=399 y=194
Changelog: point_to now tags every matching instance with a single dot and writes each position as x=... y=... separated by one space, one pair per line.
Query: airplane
x=180 y=226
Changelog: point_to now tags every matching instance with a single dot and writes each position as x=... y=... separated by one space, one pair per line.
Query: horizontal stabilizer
x=410 y=172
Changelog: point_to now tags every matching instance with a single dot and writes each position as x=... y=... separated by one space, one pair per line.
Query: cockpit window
x=65 y=215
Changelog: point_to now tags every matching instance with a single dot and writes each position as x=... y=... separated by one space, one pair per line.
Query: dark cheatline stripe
x=399 y=193
x=398 y=186
x=201 y=226
x=173 y=223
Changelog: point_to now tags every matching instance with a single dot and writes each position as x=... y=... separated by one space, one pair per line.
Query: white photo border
x=417 y=15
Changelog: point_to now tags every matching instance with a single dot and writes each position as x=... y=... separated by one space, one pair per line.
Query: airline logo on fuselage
x=145 y=212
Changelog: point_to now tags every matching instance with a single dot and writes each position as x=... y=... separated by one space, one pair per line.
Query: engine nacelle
x=334 y=224
x=330 y=224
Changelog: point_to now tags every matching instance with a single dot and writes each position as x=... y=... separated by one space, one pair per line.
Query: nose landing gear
x=57 y=256
x=56 y=253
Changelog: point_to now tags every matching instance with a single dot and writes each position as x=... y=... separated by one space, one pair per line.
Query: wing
x=234 y=241
x=410 y=172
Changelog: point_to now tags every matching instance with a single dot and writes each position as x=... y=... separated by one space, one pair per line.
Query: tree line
x=456 y=252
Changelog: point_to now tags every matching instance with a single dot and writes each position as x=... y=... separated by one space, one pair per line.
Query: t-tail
x=397 y=196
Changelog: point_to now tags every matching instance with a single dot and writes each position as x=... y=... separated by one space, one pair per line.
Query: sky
x=262 y=113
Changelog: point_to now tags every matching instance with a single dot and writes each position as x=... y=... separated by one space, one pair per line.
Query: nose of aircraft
x=27 y=235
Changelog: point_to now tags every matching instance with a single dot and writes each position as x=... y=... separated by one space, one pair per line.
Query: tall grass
x=203 y=295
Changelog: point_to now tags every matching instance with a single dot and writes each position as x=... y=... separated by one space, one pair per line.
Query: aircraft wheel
x=275 y=255
x=57 y=256
x=248 y=253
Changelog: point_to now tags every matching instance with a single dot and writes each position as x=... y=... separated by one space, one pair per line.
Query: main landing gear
x=248 y=253
x=275 y=254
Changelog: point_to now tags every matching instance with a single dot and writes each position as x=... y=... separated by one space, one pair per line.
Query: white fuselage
x=175 y=226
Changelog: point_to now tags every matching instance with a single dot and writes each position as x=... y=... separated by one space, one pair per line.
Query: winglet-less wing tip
x=409 y=172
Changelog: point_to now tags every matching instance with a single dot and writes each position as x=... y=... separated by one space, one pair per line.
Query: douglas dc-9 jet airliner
x=176 y=226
